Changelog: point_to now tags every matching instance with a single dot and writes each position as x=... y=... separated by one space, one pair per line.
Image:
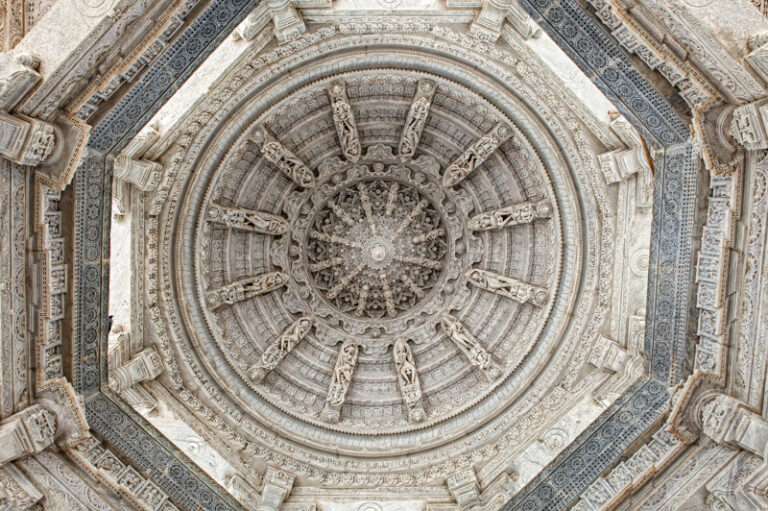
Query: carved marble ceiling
x=394 y=255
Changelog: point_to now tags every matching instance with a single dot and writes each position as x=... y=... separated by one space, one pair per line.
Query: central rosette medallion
x=376 y=248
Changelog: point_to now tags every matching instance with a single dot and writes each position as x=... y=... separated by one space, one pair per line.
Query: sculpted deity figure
x=417 y=118
x=247 y=288
x=511 y=215
x=475 y=155
x=344 y=120
x=340 y=380
x=284 y=159
x=277 y=351
x=467 y=343
x=507 y=286
x=248 y=220
x=408 y=379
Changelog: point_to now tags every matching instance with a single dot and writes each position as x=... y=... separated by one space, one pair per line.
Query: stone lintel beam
x=143 y=174
x=277 y=486
x=144 y=366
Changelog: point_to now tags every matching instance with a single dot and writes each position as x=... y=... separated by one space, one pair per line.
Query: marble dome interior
x=390 y=255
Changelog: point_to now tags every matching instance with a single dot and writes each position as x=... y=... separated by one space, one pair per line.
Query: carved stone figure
x=248 y=220
x=507 y=286
x=285 y=160
x=417 y=118
x=247 y=288
x=344 y=120
x=510 y=215
x=475 y=155
x=277 y=351
x=340 y=380
x=471 y=347
x=408 y=379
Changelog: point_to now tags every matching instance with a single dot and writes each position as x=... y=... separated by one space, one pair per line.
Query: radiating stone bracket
x=280 y=348
x=470 y=346
x=246 y=288
x=285 y=160
x=473 y=157
x=344 y=120
x=507 y=286
x=408 y=379
x=416 y=119
x=248 y=220
x=340 y=381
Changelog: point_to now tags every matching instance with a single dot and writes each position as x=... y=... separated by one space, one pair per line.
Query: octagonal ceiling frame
x=671 y=259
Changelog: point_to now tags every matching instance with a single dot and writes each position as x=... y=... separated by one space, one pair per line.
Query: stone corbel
x=57 y=417
x=288 y=22
x=143 y=174
x=18 y=77
x=619 y=164
x=757 y=58
x=488 y=22
x=626 y=365
x=144 y=366
x=464 y=488
x=27 y=141
x=749 y=125
x=277 y=486
x=728 y=421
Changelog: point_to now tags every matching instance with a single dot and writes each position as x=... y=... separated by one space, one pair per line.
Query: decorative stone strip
x=55 y=287
x=603 y=442
x=104 y=465
x=164 y=34
x=174 y=475
x=649 y=460
x=712 y=271
x=17 y=490
x=691 y=87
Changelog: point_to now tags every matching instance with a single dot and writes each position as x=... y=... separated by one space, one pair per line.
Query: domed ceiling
x=377 y=271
